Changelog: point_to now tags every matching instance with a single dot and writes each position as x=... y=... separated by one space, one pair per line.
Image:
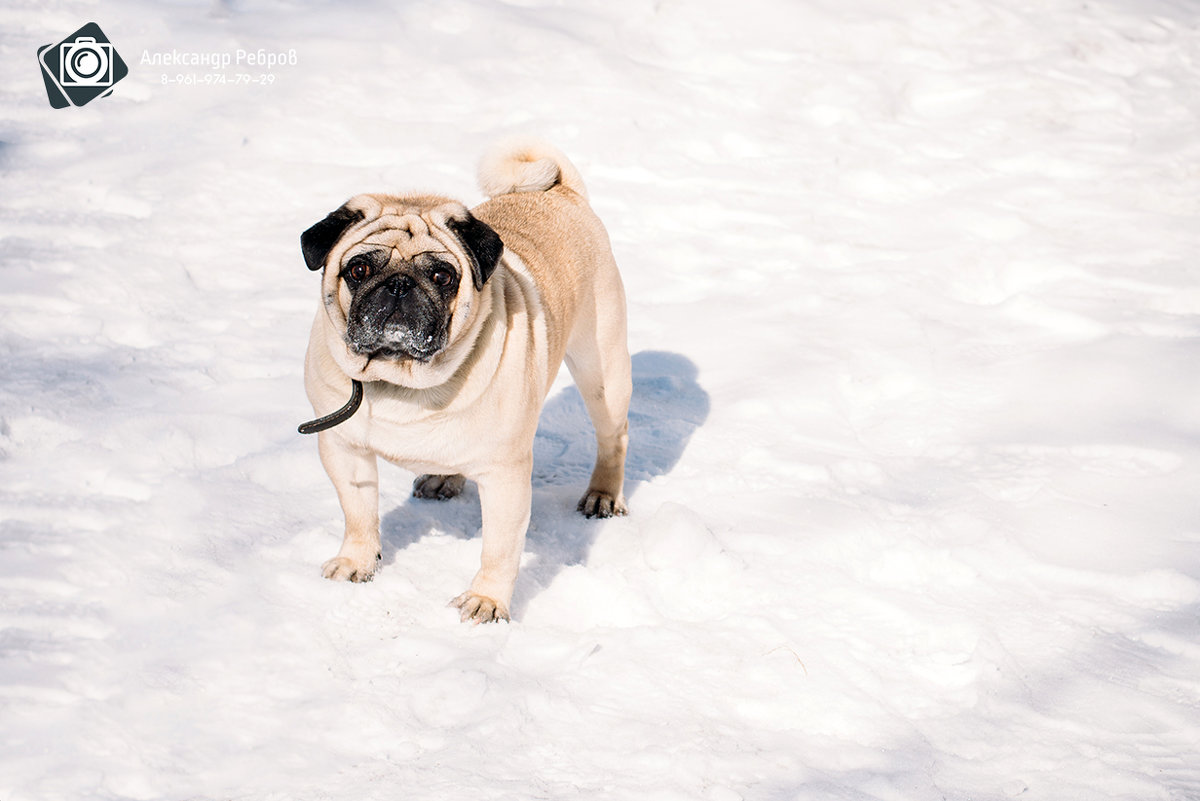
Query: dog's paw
x=601 y=504
x=438 y=488
x=479 y=608
x=342 y=568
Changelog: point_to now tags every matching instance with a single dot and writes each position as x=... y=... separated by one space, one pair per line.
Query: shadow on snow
x=668 y=405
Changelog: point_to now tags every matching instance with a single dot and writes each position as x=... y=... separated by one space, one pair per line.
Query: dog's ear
x=318 y=240
x=484 y=245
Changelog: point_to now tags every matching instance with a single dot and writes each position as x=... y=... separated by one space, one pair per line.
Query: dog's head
x=401 y=274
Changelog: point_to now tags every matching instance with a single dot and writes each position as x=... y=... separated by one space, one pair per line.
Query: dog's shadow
x=668 y=405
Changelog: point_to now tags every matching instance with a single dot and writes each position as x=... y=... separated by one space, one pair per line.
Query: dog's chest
x=457 y=439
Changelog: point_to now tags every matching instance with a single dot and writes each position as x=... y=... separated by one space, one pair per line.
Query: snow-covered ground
x=915 y=306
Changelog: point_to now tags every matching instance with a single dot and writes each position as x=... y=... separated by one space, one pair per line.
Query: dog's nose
x=399 y=285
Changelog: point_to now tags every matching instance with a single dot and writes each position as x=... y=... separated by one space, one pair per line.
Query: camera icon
x=81 y=67
x=85 y=62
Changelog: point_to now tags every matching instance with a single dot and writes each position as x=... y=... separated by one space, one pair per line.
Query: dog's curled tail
x=526 y=165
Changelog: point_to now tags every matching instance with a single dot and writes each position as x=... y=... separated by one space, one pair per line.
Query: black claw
x=590 y=505
x=599 y=504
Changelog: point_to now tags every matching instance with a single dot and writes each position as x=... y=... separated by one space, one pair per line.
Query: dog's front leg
x=505 y=495
x=355 y=475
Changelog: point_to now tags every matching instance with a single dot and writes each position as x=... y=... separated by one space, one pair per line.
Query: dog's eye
x=441 y=276
x=359 y=271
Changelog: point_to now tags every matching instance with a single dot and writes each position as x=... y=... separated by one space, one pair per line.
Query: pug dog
x=446 y=327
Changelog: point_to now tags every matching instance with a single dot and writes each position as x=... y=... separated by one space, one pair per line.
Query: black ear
x=482 y=243
x=318 y=240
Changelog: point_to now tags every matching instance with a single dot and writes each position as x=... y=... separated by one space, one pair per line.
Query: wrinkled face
x=396 y=271
x=400 y=308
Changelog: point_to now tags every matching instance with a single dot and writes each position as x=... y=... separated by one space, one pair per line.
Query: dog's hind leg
x=598 y=358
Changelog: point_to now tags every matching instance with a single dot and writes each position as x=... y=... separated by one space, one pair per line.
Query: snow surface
x=915 y=441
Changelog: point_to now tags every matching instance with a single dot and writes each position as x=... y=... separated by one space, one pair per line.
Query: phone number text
x=218 y=79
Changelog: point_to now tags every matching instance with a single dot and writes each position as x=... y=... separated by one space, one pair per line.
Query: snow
x=915 y=437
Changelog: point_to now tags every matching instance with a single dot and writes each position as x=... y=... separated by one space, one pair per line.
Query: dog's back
x=538 y=196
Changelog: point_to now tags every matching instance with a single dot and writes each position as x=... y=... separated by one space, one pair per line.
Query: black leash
x=341 y=415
